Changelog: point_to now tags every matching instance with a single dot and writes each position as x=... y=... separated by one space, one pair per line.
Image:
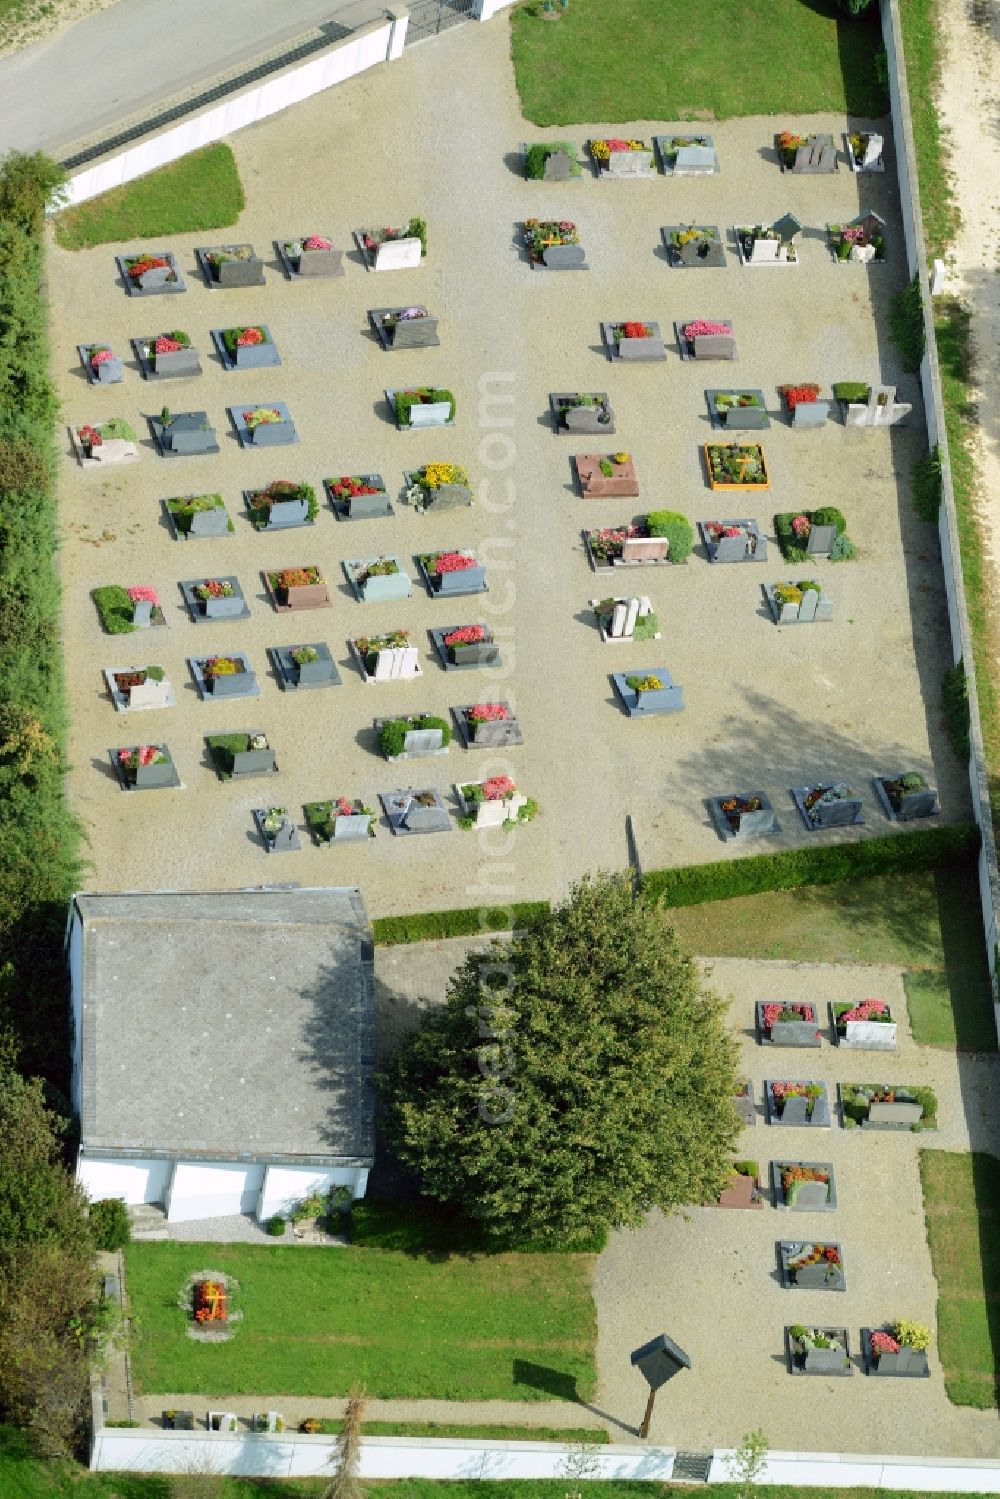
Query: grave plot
x=283 y=504
x=214 y=599
x=245 y=753
x=818 y=1350
x=132 y=607
x=278 y=833
x=906 y=795
x=705 y=338
x=493 y=803
x=225 y=266
x=648 y=693
x=386 y=658
x=830 y=805
x=415 y=810
x=733 y=540
x=811 y=1266
x=689 y=155
x=291 y=588
x=358 y=496
x=735 y=465
x=743 y=1189
x=462 y=647
x=249 y=347
x=662 y=536
x=437 y=486
x=621 y=621
x=554 y=245
x=341 y=820
x=551 y=161
x=804 y=407
x=167 y=356
x=218 y=677
x=743 y=815
x=606 y=475
x=308 y=256
x=862 y=240
x=183 y=434
x=134 y=688
x=307 y=666
x=802 y=603
x=888 y=1106
x=414 y=736
x=897 y=1350
x=769 y=244
x=865 y=151
x=804 y=1186
x=391 y=249
x=268 y=426
x=864 y=405
x=743 y=1103
x=616 y=157
x=197 y=516
x=404 y=327
x=806 y=155
x=796 y=1104
x=102 y=364
x=98 y=445
x=144 y=767
x=808 y=534
x=377 y=579
x=786 y=1023
x=693 y=246
x=487 y=725
x=449 y=574
x=582 y=411
x=421 y=406
x=738 y=410
x=633 y=341
x=867 y=1026
x=151 y=275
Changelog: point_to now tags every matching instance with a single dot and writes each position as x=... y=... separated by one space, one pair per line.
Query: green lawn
x=962 y=1209
x=671 y=60
x=201 y=191
x=405 y=1326
x=929 y=924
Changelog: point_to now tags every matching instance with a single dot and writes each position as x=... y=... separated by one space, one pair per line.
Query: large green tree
x=577 y=1076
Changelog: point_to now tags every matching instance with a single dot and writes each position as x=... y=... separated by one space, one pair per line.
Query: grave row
x=691 y=152
x=805 y=1104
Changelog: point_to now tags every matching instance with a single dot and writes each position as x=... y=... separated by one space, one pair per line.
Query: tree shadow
x=554 y=1382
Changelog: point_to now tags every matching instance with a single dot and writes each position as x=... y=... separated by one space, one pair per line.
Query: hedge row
x=39 y=838
x=466 y=921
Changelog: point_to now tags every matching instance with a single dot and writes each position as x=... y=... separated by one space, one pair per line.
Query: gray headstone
x=557 y=167
x=422 y=741
x=563 y=257
x=836 y=814
x=787 y=227
x=820 y=540
x=142 y=613
x=807 y=605
x=795 y=1111
x=213 y=522
x=811 y=414
x=812 y=1195
x=425 y=819
x=714 y=346
x=817 y=1276
x=895 y=1113
x=694 y=159
x=284 y=839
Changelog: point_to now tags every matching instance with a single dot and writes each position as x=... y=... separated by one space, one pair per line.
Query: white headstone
x=114 y=450
x=429 y=414
x=645 y=607
x=408 y=663
x=630 y=617
x=863 y=253
x=937 y=278
x=872 y=1035
x=142 y=613
x=618 y=621
x=873 y=151
x=386 y=665
x=765 y=251
x=695 y=160
x=398 y=255
x=149 y=694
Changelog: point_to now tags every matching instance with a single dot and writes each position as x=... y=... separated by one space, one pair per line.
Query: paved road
x=114 y=64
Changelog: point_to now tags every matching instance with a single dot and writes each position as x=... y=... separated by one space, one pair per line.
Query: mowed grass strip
x=962 y=1211
x=201 y=191
x=666 y=60
x=316 y=1322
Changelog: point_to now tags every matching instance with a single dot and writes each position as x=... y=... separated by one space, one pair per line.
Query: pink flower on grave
x=699 y=328
x=317 y=242
x=487 y=713
x=142 y=593
x=344 y=807
x=451 y=562
x=731 y=531
x=100 y=356
x=855 y=236
x=467 y=635
x=498 y=788
x=801 y=525
x=249 y=337
x=408 y=314
x=771 y=1012
x=165 y=345
x=883 y=1342
x=865 y=1010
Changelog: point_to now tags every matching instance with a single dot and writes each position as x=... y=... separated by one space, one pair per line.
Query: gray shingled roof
x=234 y=1023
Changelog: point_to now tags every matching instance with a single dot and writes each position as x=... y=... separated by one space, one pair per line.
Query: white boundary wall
x=380 y=41
x=487 y=9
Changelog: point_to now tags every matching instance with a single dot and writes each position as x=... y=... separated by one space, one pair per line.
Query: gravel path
x=765 y=708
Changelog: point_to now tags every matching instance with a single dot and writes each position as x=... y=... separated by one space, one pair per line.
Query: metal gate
x=429 y=17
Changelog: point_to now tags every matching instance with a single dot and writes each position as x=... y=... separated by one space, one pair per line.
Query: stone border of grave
x=287 y=512
x=172 y=288
x=306 y=598
x=260 y=762
x=762 y=823
x=921 y=796
x=744 y=1104
x=741 y=1198
x=613 y=564
x=826 y=1369
x=289 y=674
x=919 y=1366
x=639 y=350
x=853 y=163
x=167 y=778
x=722 y=485
x=685 y=350
x=755 y=553
x=294 y=844
x=698 y=139
x=327 y=262
x=561 y=401
x=427 y=325
x=412 y=725
x=123 y=704
x=790 y=1249
x=590 y=479
x=192 y=421
x=713 y=260
x=377 y=588
x=256 y=357
x=799 y=794
x=354 y=834
x=898 y=1125
x=208 y=694
x=409 y=261
x=823 y=613
x=398 y=804
x=556 y=147
x=721 y=419
x=219 y=534
x=115 y=366
x=123 y=455
x=815 y=140
x=154 y=376
x=438 y=634
x=818 y=1119
x=391 y=392
x=235 y=605
x=233 y=274
x=653 y=702
x=243 y=433
x=475 y=576
x=778 y=1193
x=372 y=679
x=862 y=1034
x=627 y=618
x=786 y=255
x=799 y=1033
x=342 y=508
x=507 y=737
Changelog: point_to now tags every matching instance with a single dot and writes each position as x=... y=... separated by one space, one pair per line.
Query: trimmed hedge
x=906 y=325
x=423 y=1226
x=467 y=921
x=955 y=708
x=899 y=853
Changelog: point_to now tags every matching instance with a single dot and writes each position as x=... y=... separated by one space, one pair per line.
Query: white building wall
x=286 y=1185
x=213 y=1189
x=133 y=1181
x=75 y=960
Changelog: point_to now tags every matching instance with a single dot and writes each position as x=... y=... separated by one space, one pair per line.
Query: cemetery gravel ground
x=766 y=708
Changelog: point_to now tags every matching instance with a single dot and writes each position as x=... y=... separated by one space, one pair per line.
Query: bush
x=955 y=707
x=676 y=528
x=537 y=155
x=392 y=735
x=464 y=921
x=927 y=485
x=276 y=1226
x=899 y=853
x=110 y=1223
x=115 y=608
x=855 y=7
x=906 y=325
x=407 y=398
x=851 y=390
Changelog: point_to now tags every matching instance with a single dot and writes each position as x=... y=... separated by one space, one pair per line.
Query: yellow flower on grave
x=436 y=474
